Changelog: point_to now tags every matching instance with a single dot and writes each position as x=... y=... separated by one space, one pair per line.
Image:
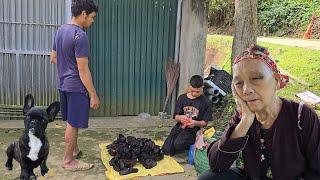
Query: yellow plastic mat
x=167 y=165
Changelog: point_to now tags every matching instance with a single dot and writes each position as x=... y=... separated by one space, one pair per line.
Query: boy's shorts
x=75 y=108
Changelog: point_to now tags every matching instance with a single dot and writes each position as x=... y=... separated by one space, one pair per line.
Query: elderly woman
x=279 y=138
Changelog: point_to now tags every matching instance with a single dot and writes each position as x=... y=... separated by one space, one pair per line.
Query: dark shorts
x=179 y=140
x=75 y=108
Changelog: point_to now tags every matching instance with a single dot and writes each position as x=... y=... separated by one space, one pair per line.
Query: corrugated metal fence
x=131 y=40
x=27 y=28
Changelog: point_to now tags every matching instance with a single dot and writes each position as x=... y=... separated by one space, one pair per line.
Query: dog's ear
x=28 y=103
x=53 y=110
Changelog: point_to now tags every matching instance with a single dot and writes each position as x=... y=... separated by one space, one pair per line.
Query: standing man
x=77 y=93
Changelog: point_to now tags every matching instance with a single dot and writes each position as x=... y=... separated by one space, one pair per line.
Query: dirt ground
x=88 y=143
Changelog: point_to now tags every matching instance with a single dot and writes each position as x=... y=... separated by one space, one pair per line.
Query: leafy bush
x=285 y=15
x=220 y=12
x=275 y=16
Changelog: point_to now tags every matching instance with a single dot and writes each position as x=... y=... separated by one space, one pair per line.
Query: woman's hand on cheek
x=247 y=116
x=242 y=107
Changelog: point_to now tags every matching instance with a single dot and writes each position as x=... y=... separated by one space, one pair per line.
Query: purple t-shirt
x=70 y=42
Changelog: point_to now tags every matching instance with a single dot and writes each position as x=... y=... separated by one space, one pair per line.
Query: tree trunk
x=246 y=25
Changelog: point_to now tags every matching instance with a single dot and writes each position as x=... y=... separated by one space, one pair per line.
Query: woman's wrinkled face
x=255 y=84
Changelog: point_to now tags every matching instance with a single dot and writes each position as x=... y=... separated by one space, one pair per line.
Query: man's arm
x=53 y=57
x=86 y=78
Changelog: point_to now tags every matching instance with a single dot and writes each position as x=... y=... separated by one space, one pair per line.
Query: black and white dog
x=32 y=149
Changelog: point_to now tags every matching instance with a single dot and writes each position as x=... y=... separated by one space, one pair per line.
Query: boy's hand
x=184 y=123
x=187 y=123
x=191 y=123
x=181 y=118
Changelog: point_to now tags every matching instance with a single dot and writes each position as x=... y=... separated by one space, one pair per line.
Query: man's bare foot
x=77 y=154
x=76 y=165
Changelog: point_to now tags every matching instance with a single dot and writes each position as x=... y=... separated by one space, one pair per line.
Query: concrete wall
x=192 y=41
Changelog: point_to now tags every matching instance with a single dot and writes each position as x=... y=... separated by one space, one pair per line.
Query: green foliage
x=285 y=15
x=275 y=16
x=220 y=11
